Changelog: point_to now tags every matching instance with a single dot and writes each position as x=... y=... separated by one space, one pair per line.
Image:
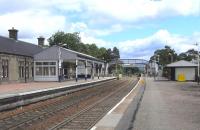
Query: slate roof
x=17 y=47
x=83 y=55
x=52 y=53
x=182 y=63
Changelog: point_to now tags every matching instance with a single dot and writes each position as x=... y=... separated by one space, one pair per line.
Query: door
x=188 y=73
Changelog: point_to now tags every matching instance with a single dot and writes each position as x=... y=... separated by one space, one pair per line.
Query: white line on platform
x=95 y=127
x=122 y=99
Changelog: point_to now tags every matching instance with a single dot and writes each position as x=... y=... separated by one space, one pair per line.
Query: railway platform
x=120 y=116
x=165 y=105
x=12 y=95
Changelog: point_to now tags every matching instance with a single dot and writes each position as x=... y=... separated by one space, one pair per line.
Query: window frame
x=45 y=68
x=5 y=68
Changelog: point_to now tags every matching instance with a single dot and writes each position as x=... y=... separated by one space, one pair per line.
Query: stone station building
x=24 y=62
x=16 y=59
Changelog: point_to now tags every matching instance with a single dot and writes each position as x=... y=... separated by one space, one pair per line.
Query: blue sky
x=136 y=27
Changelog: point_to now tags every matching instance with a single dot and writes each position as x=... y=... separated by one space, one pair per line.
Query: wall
x=188 y=72
x=13 y=68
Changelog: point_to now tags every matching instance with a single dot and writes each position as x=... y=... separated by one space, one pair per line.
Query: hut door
x=172 y=73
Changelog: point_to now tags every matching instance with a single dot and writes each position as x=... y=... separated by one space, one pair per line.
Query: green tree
x=165 y=55
x=73 y=41
x=57 y=39
x=108 y=54
x=188 y=55
x=67 y=40
x=102 y=53
x=116 y=52
x=93 y=50
x=83 y=48
x=131 y=70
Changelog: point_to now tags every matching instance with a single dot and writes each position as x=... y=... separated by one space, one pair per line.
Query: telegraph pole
x=196 y=44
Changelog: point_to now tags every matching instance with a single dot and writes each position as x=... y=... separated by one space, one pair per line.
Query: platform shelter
x=183 y=70
x=57 y=64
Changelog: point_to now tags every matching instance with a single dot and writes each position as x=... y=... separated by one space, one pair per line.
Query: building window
x=38 y=71
x=52 y=70
x=21 y=69
x=32 y=71
x=27 y=71
x=45 y=68
x=5 y=68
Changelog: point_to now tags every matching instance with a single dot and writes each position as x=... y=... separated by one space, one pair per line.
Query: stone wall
x=13 y=68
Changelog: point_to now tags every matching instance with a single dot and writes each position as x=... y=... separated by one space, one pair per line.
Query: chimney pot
x=41 y=41
x=13 y=33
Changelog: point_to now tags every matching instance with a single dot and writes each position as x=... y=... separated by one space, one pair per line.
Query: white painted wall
x=46 y=78
x=188 y=72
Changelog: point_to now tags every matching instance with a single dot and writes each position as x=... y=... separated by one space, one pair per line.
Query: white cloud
x=96 y=18
x=124 y=10
x=40 y=16
x=88 y=39
x=103 y=32
x=32 y=23
x=134 y=10
x=83 y=27
x=146 y=46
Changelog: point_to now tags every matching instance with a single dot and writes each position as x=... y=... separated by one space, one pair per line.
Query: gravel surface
x=168 y=105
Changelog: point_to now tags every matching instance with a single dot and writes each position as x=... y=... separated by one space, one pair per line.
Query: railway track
x=87 y=118
x=30 y=117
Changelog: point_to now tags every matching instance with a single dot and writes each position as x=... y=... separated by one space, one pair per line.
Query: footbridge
x=133 y=63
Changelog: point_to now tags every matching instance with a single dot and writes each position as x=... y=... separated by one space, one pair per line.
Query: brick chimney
x=13 y=33
x=41 y=41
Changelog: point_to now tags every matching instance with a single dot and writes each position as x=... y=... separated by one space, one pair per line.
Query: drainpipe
x=86 y=70
x=0 y=72
x=92 y=69
x=25 y=71
x=76 y=70
x=98 y=71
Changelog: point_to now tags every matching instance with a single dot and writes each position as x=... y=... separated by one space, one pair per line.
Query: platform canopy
x=182 y=63
x=56 y=63
x=60 y=53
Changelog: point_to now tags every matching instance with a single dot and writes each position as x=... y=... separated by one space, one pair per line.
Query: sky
x=136 y=27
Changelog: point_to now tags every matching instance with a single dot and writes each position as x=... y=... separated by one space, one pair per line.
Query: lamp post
x=171 y=57
x=155 y=65
x=116 y=66
x=158 y=65
x=104 y=67
x=158 y=58
x=155 y=61
x=116 y=62
x=197 y=44
x=59 y=64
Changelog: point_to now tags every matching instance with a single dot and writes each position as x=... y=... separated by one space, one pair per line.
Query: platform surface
x=9 y=90
x=115 y=116
x=169 y=105
x=166 y=105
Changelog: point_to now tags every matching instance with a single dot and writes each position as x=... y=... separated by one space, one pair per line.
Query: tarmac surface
x=168 y=105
